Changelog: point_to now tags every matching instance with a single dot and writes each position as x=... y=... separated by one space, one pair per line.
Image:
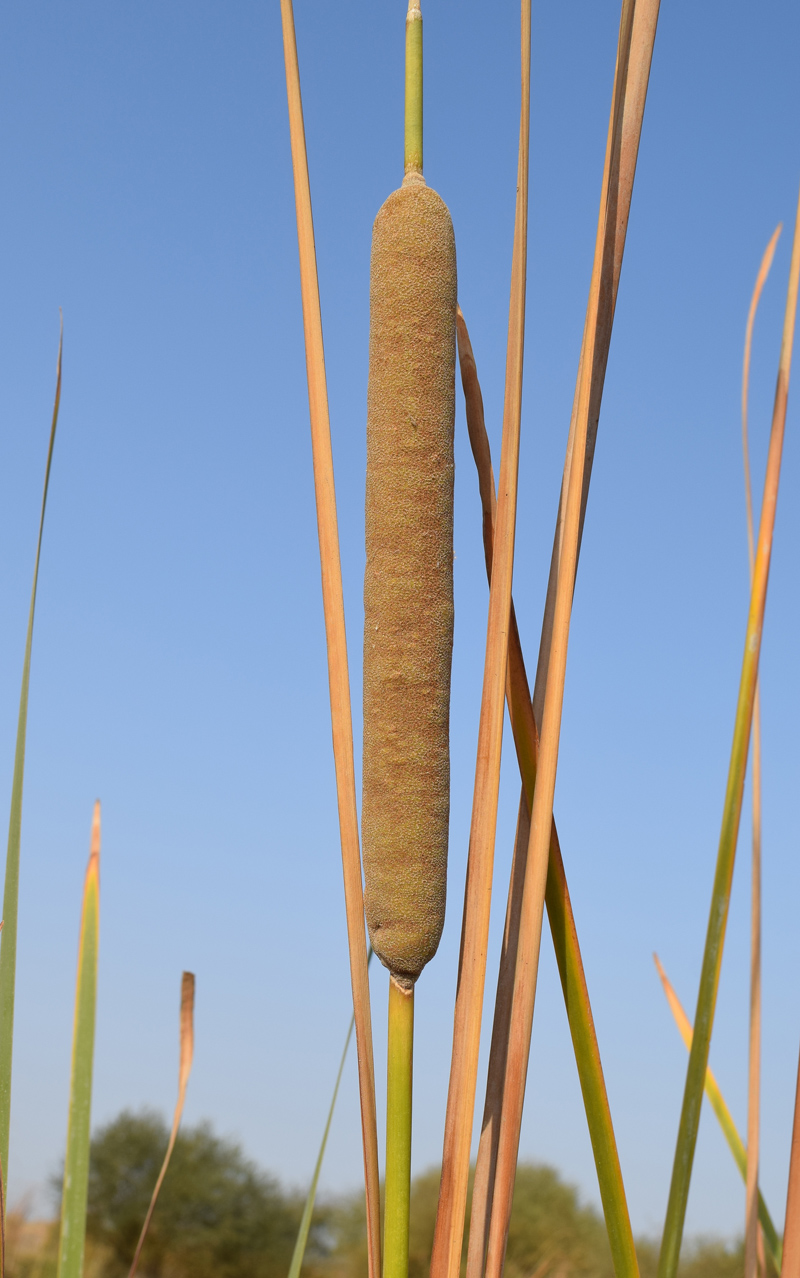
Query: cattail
x=408 y=613
x=408 y=586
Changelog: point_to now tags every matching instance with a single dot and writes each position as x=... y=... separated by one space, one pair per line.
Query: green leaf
x=724 y=1117
x=308 y=1209
x=8 y=943
x=76 y=1164
x=732 y=809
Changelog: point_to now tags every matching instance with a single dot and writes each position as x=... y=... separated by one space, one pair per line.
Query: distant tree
x=700 y=1258
x=217 y=1214
x=712 y=1258
x=424 y=1200
x=551 y=1233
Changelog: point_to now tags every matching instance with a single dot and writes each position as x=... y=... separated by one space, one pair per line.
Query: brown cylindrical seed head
x=408 y=585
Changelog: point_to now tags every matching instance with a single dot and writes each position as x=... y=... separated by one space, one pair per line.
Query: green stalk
x=76 y=1164
x=401 y=1001
x=398 y=1131
x=8 y=944
x=720 y=899
x=724 y=1117
x=413 y=144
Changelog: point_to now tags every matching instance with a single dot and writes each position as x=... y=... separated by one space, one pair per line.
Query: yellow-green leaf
x=76 y=1164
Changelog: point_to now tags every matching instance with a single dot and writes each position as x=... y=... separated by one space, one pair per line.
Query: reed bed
x=416 y=329
x=405 y=875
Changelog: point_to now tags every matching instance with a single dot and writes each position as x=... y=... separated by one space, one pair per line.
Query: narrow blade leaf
x=791 y=1232
x=76 y=1164
x=308 y=1210
x=634 y=52
x=732 y=809
x=752 y=1242
x=8 y=942
x=724 y=1116
x=559 y=910
x=449 y=1232
x=333 y=606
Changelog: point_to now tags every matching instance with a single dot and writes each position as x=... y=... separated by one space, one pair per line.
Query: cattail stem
x=413 y=144
x=398 y=1131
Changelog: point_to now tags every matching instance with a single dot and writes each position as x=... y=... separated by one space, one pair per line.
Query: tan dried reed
x=333 y=605
x=449 y=1232
x=791 y=1229
x=633 y=58
x=559 y=910
x=186 y=1056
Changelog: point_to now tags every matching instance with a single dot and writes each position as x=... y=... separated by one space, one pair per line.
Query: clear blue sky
x=179 y=666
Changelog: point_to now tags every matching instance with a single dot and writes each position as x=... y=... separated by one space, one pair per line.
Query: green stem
x=398 y=1131
x=413 y=150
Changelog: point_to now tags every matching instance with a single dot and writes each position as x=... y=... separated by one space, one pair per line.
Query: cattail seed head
x=408 y=585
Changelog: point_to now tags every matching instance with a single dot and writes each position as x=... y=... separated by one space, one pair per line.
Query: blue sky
x=179 y=664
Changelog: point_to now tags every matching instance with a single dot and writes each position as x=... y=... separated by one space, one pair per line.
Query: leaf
x=76 y=1164
x=751 y=1240
x=8 y=944
x=449 y=1234
x=634 y=52
x=724 y=1116
x=308 y=1209
x=732 y=809
x=791 y=1229
x=559 y=910
x=333 y=606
